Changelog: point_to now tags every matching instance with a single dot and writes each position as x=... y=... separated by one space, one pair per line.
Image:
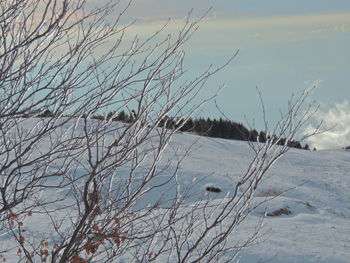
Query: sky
x=284 y=47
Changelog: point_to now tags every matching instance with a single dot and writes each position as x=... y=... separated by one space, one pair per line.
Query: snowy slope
x=316 y=189
x=313 y=185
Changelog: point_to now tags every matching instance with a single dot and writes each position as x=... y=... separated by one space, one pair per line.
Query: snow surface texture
x=313 y=186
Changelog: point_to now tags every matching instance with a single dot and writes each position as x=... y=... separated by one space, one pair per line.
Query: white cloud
x=336 y=122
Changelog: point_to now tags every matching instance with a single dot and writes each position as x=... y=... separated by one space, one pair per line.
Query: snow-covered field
x=313 y=185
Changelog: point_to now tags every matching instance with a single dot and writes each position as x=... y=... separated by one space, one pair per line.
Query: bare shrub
x=62 y=62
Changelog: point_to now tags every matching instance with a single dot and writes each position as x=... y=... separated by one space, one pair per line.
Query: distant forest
x=220 y=128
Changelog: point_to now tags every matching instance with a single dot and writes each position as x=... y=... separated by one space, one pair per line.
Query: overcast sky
x=285 y=46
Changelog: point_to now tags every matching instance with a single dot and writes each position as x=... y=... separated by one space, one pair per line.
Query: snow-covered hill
x=312 y=187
